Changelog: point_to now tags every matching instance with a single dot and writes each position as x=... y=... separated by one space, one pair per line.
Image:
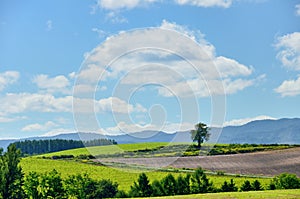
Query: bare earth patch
x=268 y=163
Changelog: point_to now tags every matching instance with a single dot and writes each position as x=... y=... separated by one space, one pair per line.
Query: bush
x=286 y=181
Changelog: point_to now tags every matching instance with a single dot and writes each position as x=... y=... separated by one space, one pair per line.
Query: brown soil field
x=268 y=163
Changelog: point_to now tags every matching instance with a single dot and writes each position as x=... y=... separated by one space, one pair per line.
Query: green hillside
x=124 y=177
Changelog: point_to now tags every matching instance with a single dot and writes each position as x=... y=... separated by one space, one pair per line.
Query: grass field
x=110 y=149
x=124 y=177
x=274 y=194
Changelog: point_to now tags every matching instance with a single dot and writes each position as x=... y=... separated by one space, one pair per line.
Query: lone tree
x=200 y=134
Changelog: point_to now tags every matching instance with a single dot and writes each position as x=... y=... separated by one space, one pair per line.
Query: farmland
x=125 y=170
x=124 y=177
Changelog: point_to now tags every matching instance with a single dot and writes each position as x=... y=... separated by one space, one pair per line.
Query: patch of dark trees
x=34 y=147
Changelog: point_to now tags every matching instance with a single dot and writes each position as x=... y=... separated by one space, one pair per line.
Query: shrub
x=286 y=181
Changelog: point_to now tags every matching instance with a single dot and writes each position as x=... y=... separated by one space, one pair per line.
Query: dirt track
x=268 y=163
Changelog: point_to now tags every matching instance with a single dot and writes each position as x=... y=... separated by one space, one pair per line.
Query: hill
x=282 y=131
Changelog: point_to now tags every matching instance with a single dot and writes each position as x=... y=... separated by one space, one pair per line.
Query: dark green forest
x=33 y=147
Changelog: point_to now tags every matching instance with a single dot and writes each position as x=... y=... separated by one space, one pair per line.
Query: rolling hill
x=282 y=131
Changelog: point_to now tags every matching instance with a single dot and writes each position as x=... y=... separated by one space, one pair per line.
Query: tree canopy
x=200 y=133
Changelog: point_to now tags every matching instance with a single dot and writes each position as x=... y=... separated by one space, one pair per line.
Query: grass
x=274 y=194
x=110 y=149
x=124 y=177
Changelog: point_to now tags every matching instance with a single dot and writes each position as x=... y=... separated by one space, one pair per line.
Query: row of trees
x=199 y=183
x=30 y=147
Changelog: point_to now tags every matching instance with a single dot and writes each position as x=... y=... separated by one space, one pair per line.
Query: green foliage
x=286 y=181
x=30 y=147
x=169 y=185
x=141 y=187
x=11 y=175
x=256 y=186
x=157 y=189
x=183 y=184
x=51 y=185
x=105 y=189
x=229 y=187
x=31 y=185
x=200 y=183
x=80 y=186
x=200 y=134
x=246 y=186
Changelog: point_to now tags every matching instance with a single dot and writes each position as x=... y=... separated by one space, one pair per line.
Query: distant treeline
x=30 y=147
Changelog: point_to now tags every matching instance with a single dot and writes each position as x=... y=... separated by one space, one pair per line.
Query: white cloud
x=57 y=131
x=7 y=78
x=297 y=9
x=123 y=127
x=52 y=85
x=289 y=50
x=206 y=3
x=39 y=127
x=115 y=17
x=13 y=103
x=289 y=88
x=101 y=33
x=123 y=4
x=160 y=59
x=105 y=105
x=49 y=25
x=238 y=122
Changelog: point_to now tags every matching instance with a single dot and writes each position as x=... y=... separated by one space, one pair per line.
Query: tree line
x=13 y=183
x=31 y=147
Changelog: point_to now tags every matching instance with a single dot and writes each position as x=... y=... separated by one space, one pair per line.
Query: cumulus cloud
x=289 y=88
x=160 y=59
x=39 y=127
x=7 y=78
x=289 y=50
x=52 y=85
x=238 y=122
x=14 y=103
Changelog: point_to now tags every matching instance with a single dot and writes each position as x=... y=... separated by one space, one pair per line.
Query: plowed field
x=268 y=163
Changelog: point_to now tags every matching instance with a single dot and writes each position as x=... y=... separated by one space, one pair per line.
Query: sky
x=116 y=67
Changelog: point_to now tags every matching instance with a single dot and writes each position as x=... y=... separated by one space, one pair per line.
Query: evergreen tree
x=157 y=189
x=183 y=184
x=246 y=186
x=169 y=185
x=142 y=188
x=12 y=177
x=200 y=183
x=256 y=186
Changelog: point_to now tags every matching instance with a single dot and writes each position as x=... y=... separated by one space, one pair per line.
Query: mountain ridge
x=281 y=131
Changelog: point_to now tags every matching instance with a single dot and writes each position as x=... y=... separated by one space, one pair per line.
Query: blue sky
x=48 y=49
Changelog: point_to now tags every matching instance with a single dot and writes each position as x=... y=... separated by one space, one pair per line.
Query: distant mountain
x=282 y=131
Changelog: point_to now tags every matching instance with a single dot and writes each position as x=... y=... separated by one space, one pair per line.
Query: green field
x=124 y=177
x=110 y=149
x=274 y=194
